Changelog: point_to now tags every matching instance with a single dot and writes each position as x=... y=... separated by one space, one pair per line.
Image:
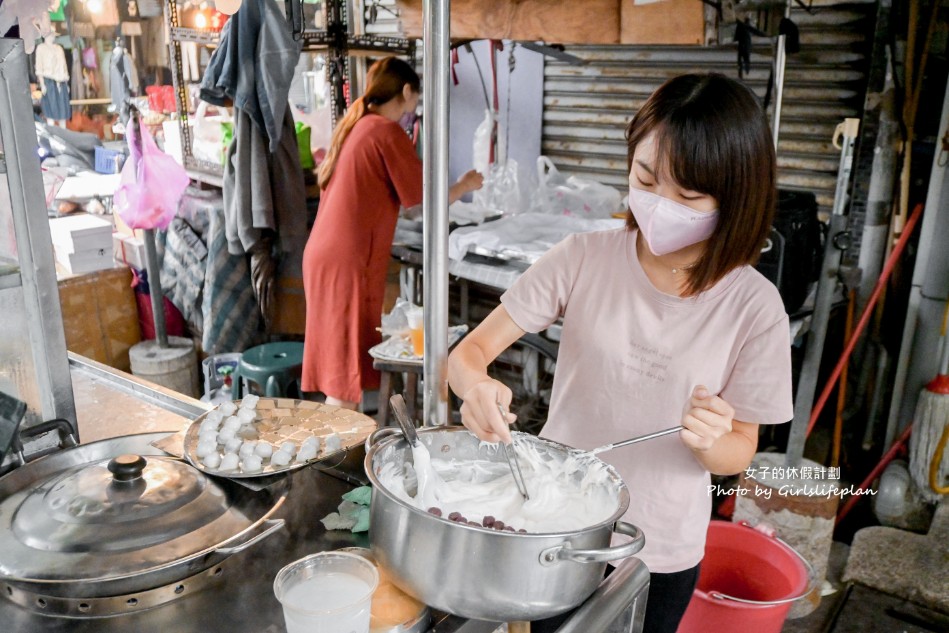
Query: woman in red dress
x=370 y=171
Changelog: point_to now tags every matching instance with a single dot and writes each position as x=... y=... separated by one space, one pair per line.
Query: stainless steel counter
x=239 y=598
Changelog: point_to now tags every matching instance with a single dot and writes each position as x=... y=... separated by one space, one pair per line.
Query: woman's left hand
x=708 y=418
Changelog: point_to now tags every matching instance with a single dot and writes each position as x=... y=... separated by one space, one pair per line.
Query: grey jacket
x=253 y=66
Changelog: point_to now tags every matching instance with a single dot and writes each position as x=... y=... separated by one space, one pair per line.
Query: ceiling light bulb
x=94 y=6
x=227 y=7
x=201 y=20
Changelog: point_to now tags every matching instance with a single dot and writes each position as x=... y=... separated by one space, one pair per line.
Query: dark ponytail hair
x=385 y=81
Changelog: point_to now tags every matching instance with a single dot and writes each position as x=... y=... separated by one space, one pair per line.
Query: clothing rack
x=336 y=40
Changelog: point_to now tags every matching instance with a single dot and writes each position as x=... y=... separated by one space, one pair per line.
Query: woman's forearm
x=732 y=452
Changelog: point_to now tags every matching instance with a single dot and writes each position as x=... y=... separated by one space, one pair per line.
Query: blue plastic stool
x=273 y=366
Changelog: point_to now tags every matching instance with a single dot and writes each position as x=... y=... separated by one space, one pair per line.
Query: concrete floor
x=854 y=608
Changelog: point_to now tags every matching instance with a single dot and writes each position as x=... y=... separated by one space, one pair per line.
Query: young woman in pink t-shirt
x=664 y=322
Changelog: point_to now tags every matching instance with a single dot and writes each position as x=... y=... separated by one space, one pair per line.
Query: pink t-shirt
x=629 y=358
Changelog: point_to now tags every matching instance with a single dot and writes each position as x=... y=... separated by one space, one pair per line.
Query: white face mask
x=668 y=226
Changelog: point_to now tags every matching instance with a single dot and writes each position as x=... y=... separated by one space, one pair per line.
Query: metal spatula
x=513 y=463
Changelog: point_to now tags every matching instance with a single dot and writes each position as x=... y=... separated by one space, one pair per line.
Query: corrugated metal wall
x=587 y=107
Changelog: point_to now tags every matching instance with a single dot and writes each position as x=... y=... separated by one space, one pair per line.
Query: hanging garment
x=55 y=101
x=51 y=62
x=263 y=190
x=120 y=82
x=77 y=86
x=189 y=62
x=52 y=72
x=253 y=66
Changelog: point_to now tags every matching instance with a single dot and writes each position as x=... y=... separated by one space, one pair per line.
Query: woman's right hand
x=471 y=180
x=480 y=413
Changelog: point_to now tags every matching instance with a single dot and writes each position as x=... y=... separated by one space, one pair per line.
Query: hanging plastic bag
x=580 y=197
x=151 y=184
x=211 y=134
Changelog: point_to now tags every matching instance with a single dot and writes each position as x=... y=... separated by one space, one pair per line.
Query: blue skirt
x=55 y=102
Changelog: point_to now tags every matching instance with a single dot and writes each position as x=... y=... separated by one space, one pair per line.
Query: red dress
x=347 y=256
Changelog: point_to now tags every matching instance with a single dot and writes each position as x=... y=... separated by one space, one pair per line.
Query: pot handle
x=274 y=525
x=552 y=555
x=380 y=434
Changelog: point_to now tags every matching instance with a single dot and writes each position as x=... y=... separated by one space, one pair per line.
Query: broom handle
x=944 y=359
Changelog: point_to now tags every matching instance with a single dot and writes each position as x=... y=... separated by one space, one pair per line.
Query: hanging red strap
x=454 y=63
x=496 y=47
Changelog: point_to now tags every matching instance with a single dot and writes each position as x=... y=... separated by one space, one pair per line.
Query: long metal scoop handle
x=513 y=463
x=402 y=415
x=635 y=440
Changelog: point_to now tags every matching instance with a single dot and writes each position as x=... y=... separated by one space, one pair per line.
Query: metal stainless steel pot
x=481 y=573
x=92 y=530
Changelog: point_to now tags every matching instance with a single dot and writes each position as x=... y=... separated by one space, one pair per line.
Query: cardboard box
x=665 y=22
x=100 y=316
x=556 y=21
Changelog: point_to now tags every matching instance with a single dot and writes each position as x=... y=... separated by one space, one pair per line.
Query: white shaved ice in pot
x=232 y=423
x=250 y=401
x=247 y=448
x=263 y=450
x=246 y=416
x=228 y=408
x=289 y=448
x=332 y=443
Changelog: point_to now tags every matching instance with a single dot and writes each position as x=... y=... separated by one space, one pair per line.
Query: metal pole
x=435 y=211
x=154 y=287
x=34 y=244
x=780 y=61
x=838 y=240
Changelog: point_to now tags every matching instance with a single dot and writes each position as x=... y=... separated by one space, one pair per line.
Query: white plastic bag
x=575 y=196
x=208 y=134
x=500 y=190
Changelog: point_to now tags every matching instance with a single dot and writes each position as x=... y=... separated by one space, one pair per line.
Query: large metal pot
x=120 y=518
x=481 y=573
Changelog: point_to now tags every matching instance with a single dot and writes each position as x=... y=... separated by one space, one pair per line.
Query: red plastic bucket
x=747 y=582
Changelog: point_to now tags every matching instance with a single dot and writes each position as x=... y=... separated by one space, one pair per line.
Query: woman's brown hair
x=385 y=80
x=712 y=137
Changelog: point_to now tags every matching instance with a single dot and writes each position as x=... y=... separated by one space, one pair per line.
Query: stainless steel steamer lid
x=113 y=517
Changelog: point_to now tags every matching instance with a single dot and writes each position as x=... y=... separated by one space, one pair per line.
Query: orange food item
x=391 y=606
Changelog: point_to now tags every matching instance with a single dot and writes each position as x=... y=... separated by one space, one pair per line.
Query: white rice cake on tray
x=280 y=419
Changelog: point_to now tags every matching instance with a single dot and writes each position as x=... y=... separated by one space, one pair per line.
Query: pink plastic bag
x=151 y=184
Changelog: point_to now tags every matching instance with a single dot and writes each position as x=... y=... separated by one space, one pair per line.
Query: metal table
x=240 y=599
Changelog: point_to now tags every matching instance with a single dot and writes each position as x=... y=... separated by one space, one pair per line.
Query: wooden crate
x=555 y=21
x=665 y=22
x=100 y=316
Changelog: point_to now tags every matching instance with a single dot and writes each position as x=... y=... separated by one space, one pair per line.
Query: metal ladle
x=402 y=415
x=635 y=440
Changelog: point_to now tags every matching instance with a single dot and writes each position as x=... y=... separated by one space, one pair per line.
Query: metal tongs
x=512 y=461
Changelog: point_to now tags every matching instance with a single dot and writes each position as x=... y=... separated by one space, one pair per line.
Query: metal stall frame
x=34 y=244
